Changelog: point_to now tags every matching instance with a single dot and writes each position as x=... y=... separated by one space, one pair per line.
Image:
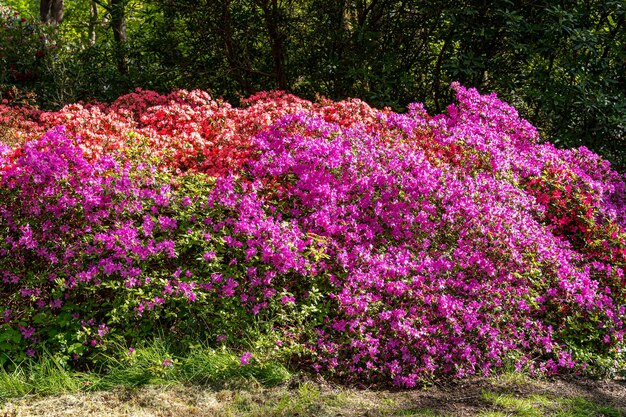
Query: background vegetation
x=561 y=63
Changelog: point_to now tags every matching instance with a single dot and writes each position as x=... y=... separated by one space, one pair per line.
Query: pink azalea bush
x=384 y=248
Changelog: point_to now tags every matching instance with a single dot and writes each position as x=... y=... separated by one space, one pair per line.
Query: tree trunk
x=225 y=32
x=51 y=11
x=93 y=21
x=437 y=75
x=271 y=16
x=118 y=24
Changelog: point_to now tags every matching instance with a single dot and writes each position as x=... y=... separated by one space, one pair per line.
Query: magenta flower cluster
x=436 y=269
x=392 y=250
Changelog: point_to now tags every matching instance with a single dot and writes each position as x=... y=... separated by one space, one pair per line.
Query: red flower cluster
x=183 y=130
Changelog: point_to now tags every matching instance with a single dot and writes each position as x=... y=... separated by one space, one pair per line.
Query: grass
x=153 y=364
x=542 y=405
x=304 y=399
x=46 y=377
x=153 y=381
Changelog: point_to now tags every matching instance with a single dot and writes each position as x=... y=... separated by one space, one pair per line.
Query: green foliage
x=23 y=46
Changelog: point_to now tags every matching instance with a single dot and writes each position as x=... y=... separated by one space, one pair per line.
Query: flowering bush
x=103 y=250
x=387 y=248
x=184 y=130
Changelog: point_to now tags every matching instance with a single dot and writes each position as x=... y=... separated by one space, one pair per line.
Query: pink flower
x=245 y=358
x=27 y=332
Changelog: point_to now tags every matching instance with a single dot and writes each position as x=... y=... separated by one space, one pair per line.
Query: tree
x=117 y=10
x=93 y=21
x=118 y=25
x=51 y=11
x=273 y=13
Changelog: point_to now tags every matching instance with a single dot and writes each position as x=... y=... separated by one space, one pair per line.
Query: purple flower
x=245 y=358
x=27 y=332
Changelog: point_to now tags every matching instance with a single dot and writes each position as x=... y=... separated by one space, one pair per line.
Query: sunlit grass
x=542 y=405
x=214 y=380
x=153 y=364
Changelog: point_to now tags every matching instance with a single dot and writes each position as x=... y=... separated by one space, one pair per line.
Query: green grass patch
x=45 y=377
x=153 y=364
x=543 y=405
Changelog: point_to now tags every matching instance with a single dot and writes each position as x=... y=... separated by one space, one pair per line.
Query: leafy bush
x=23 y=45
x=379 y=247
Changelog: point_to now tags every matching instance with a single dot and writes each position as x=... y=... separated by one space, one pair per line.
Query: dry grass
x=496 y=397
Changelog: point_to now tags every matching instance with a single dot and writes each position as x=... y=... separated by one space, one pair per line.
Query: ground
x=509 y=395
